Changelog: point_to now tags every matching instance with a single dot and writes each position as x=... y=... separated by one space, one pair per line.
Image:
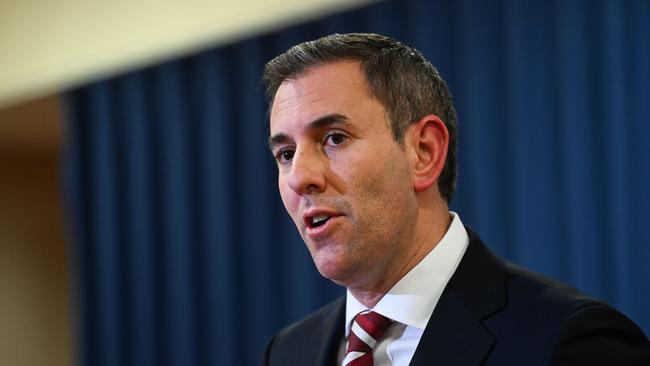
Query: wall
x=34 y=272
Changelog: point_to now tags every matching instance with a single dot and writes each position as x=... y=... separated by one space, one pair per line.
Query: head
x=398 y=76
x=357 y=162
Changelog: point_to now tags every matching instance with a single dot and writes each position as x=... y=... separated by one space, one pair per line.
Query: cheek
x=386 y=191
x=380 y=173
x=289 y=198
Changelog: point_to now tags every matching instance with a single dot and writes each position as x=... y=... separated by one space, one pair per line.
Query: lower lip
x=319 y=232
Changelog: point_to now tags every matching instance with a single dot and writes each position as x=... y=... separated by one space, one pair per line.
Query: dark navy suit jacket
x=490 y=313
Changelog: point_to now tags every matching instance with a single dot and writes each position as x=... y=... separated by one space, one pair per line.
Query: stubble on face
x=368 y=181
x=379 y=231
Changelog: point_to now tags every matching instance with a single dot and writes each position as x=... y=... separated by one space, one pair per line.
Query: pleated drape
x=183 y=253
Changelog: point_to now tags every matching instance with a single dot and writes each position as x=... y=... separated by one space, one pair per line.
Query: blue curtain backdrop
x=184 y=254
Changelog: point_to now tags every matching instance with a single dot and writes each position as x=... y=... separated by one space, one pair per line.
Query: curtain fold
x=182 y=249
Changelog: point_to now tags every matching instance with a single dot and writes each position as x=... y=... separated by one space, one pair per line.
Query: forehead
x=337 y=88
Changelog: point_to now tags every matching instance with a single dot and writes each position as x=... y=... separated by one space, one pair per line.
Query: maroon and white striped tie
x=367 y=329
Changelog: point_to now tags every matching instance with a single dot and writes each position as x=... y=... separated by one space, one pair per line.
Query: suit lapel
x=332 y=329
x=455 y=334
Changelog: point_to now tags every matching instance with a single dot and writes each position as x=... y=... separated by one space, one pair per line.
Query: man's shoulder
x=306 y=340
x=558 y=321
x=519 y=287
x=536 y=301
x=531 y=316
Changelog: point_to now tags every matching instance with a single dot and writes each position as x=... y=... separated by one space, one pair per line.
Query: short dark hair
x=398 y=76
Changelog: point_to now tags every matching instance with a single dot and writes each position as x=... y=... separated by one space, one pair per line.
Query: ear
x=427 y=140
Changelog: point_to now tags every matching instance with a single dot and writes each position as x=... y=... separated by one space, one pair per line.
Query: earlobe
x=429 y=140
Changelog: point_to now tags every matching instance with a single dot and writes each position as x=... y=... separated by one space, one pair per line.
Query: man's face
x=343 y=179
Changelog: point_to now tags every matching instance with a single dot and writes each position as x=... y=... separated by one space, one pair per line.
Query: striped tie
x=367 y=328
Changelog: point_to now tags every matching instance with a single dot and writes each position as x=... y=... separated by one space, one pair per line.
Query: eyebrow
x=321 y=122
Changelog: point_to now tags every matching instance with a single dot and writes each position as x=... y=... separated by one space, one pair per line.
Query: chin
x=334 y=269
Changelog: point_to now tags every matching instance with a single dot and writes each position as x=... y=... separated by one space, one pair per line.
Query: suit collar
x=480 y=278
x=455 y=334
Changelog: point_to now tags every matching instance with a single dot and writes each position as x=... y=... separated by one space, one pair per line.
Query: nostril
x=312 y=188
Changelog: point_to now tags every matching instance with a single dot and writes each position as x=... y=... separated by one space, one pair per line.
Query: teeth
x=319 y=218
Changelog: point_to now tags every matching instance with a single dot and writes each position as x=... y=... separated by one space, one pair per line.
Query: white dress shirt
x=412 y=300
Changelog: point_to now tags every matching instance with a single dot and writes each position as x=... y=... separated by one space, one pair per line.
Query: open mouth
x=319 y=220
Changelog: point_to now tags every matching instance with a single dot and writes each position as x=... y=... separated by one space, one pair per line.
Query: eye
x=335 y=138
x=284 y=156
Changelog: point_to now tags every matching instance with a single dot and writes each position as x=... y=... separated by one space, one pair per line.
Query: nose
x=307 y=173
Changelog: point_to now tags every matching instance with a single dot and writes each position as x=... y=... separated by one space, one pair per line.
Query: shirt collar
x=414 y=297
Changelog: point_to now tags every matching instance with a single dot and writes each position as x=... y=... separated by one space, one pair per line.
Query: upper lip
x=309 y=214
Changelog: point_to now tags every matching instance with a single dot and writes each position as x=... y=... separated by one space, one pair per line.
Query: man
x=364 y=132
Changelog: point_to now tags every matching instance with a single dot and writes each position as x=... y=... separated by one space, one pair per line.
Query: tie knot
x=367 y=329
x=374 y=324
